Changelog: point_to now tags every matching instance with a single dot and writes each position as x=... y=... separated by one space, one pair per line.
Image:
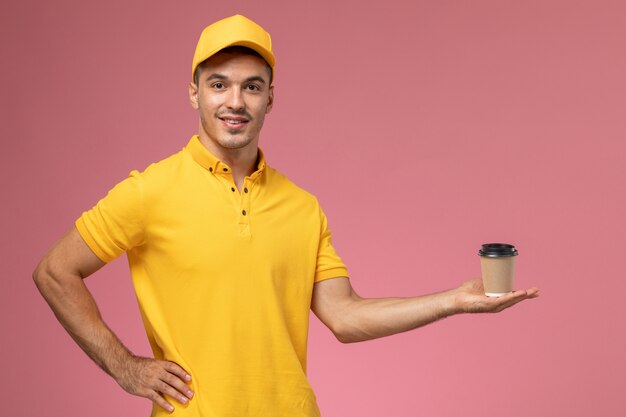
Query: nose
x=235 y=99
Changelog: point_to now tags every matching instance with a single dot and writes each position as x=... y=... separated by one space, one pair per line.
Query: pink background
x=424 y=127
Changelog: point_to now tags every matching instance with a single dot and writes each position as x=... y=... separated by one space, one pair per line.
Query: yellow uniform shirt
x=223 y=278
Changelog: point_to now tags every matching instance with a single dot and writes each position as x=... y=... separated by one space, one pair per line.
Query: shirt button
x=232 y=189
x=225 y=169
x=243 y=212
x=210 y=169
x=245 y=190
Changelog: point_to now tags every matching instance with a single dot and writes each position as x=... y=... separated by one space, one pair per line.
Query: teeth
x=233 y=122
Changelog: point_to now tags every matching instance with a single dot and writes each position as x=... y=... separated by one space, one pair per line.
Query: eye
x=218 y=85
x=253 y=87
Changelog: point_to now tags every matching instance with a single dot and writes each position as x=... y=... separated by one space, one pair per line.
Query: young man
x=227 y=258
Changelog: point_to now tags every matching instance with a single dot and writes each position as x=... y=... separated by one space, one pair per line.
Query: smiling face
x=232 y=96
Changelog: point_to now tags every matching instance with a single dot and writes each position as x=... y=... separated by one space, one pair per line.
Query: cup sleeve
x=329 y=264
x=115 y=224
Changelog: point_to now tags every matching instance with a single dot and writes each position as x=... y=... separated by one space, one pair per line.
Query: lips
x=233 y=122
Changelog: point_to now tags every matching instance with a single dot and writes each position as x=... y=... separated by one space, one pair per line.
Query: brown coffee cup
x=497 y=261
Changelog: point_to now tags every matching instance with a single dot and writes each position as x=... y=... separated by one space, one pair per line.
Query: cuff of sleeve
x=90 y=241
x=331 y=273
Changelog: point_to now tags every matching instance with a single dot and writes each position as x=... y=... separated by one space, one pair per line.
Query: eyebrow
x=217 y=76
x=255 y=78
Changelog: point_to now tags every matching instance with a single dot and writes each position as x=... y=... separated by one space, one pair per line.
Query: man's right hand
x=59 y=277
x=152 y=379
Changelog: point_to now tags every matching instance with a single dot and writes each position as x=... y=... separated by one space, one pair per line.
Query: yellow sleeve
x=329 y=264
x=115 y=224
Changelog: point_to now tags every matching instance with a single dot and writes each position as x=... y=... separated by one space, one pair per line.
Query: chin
x=235 y=143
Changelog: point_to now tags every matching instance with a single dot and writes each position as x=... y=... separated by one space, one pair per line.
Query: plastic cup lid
x=497 y=250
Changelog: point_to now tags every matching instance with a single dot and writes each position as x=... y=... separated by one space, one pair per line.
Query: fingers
x=509 y=300
x=533 y=292
x=166 y=389
x=171 y=382
x=173 y=385
x=176 y=370
x=155 y=379
x=160 y=401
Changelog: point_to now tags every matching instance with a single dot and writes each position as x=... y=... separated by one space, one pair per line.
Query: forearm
x=371 y=318
x=76 y=310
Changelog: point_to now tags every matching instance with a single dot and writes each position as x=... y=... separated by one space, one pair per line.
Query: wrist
x=450 y=303
x=119 y=361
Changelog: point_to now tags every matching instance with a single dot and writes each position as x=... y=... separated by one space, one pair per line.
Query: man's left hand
x=470 y=298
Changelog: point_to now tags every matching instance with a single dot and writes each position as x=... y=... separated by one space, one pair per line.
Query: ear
x=193 y=95
x=270 y=100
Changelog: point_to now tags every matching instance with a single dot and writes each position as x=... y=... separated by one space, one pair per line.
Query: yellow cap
x=235 y=30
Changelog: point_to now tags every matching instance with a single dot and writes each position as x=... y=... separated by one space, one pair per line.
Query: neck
x=242 y=161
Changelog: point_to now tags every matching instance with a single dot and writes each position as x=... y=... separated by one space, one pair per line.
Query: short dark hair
x=233 y=50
